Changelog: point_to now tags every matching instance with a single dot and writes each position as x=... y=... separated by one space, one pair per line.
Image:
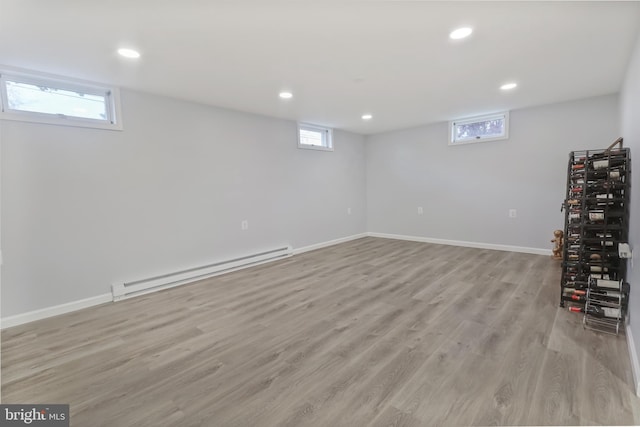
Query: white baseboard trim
x=492 y=246
x=297 y=251
x=43 y=313
x=32 y=316
x=635 y=364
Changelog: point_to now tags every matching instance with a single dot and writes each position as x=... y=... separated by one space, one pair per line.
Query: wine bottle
x=602 y=239
x=598 y=269
x=610 y=296
x=576 y=284
x=608 y=293
x=600 y=216
x=603 y=235
x=608 y=163
x=611 y=199
x=604 y=283
x=607 y=153
x=604 y=196
x=601 y=203
x=597 y=257
x=612 y=174
x=597 y=311
x=577 y=298
x=610 y=299
x=594 y=245
x=604 y=182
x=603 y=276
x=596 y=215
x=612 y=155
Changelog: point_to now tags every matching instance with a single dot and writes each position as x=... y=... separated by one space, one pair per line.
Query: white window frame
x=452 y=126
x=327 y=133
x=112 y=99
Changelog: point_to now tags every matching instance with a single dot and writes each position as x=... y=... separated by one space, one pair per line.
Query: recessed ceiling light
x=366 y=117
x=285 y=95
x=508 y=86
x=129 y=53
x=460 y=33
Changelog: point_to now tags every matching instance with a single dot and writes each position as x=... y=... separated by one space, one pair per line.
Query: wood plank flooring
x=373 y=332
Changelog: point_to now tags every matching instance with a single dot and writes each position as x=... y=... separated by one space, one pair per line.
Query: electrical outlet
x=513 y=213
x=244 y=225
x=624 y=251
x=420 y=210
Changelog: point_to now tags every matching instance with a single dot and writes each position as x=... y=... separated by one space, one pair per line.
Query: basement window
x=58 y=101
x=490 y=127
x=314 y=137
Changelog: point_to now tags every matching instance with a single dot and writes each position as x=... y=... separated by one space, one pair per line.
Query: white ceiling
x=340 y=59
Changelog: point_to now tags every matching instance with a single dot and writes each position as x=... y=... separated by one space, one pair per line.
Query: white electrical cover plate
x=624 y=251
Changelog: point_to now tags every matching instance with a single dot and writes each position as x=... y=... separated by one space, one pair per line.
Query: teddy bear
x=557 y=247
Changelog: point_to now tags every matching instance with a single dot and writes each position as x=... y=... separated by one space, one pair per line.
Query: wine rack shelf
x=596 y=224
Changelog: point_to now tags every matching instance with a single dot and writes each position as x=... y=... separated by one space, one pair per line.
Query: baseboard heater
x=126 y=290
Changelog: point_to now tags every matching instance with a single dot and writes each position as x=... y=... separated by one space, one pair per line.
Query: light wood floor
x=373 y=332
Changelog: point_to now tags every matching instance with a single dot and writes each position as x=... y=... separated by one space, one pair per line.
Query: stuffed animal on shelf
x=558 y=242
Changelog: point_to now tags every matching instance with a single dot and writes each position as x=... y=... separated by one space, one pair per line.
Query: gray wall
x=630 y=118
x=84 y=208
x=467 y=190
